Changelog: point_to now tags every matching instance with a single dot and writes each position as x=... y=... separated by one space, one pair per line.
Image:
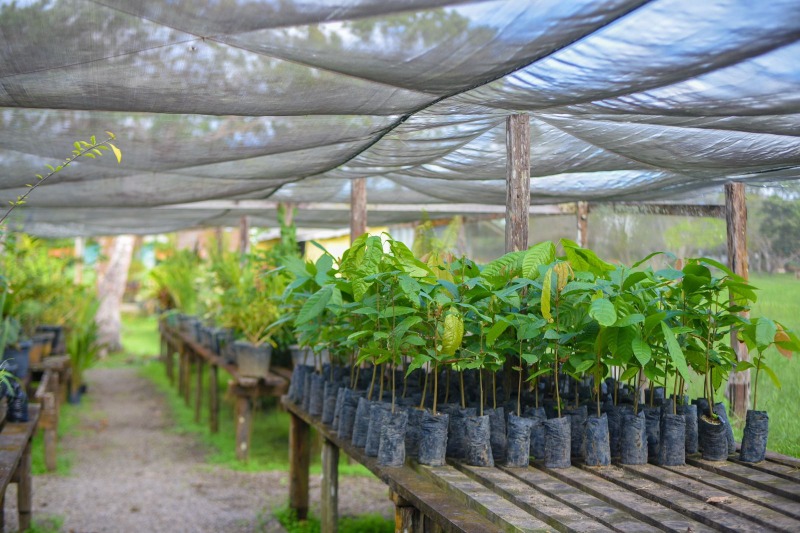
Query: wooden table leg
x=187 y=381
x=213 y=398
x=3 y=511
x=198 y=393
x=49 y=425
x=181 y=369
x=330 y=487
x=243 y=416
x=299 y=458
x=169 y=360
x=407 y=519
x=24 y=493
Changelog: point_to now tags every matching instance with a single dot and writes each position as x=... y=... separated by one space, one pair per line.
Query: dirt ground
x=130 y=474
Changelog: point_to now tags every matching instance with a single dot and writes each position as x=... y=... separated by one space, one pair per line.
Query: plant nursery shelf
x=245 y=389
x=700 y=496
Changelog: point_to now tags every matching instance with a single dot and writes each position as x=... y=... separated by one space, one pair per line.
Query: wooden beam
x=736 y=219
x=686 y=210
x=213 y=399
x=244 y=414
x=198 y=391
x=518 y=181
x=358 y=208
x=329 y=497
x=583 y=224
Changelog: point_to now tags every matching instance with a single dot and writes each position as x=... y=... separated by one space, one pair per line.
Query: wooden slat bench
x=15 y=465
x=245 y=389
x=700 y=496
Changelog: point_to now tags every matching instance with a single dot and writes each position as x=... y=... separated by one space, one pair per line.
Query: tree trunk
x=111 y=280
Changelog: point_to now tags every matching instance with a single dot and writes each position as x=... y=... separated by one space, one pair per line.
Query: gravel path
x=129 y=473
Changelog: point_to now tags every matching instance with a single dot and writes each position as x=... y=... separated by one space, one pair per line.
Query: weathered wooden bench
x=701 y=496
x=245 y=389
x=15 y=465
x=51 y=393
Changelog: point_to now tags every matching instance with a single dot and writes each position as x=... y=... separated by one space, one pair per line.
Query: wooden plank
x=243 y=421
x=701 y=511
x=358 y=208
x=25 y=488
x=505 y=514
x=198 y=390
x=552 y=512
x=753 y=494
x=518 y=181
x=724 y=499
x=444 y=512
x=213 y=399
x=583 y=224
x=684 y=210
x=299 y=458
x=637 y=505
x=169 y=356
x=49 y=424
x=329 y=497
x=750 y=476
x=407 y=518
x=736 y=224
x=583 y=502
x=792 y=473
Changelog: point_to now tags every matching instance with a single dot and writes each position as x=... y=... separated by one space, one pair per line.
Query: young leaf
x=675 y=352
x=538 y=254
x=117 y=152
x=603 y=311
x=765 y=332
x=641 y=350
x=314 y=305
x=546 y=291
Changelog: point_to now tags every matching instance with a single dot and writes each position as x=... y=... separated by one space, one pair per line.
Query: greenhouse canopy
x=286 y=101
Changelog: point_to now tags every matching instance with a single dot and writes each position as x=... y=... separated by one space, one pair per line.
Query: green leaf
x=314 y=305
x=629 y=320
x=675 y=352
x=397 y=310
x=765 y=332
x=603 y=311
x=632 y=279
x=641 y=350
x=772 y=376
x=584 y=259
x=117 y=152
x=744 y=365
x=629 y=373
x=547 y=288
x=537 y=255
x=496 y=330
x=584 y=366
x=323 y=264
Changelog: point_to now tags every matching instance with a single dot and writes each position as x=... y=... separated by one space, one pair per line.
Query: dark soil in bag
x=413 y=431
x=497 y=429
x=348 y=416
x=689 y=412
x=306 y=399
x=337 y=412
x=317 y=395
x=361 y=423
x=557 y=443
x=392 y=442
x=722 y=413
x=597 y=450
x=577 y=417
x=433 y=438
x=633 y=445
x=478 y=441
x=379 y=414
x=672 y=441
x=519 y=440
x=754 y=441
x=713 y=439
x=652 y=417
x=456 y=432
x=329 y=402
x=538 y=416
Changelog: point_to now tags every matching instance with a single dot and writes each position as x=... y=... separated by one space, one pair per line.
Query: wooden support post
x=407 y=519
x=198 y=392
x=24 y=492
x=330 y=487
x=181 y=368
x=213 y=399
x=3 y=511
x=243 y=419
x=736 y=218
x=49 y=425
x=299 y=456
x=583 y=224
x=518 y=181
x=244 y=236
x=170 y=362
x=191 y=359
x=358 y=208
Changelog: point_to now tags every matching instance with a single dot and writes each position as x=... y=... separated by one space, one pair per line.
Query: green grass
x=370 y=523
x=68 y=424
x=49 y=524
x=140 y=335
